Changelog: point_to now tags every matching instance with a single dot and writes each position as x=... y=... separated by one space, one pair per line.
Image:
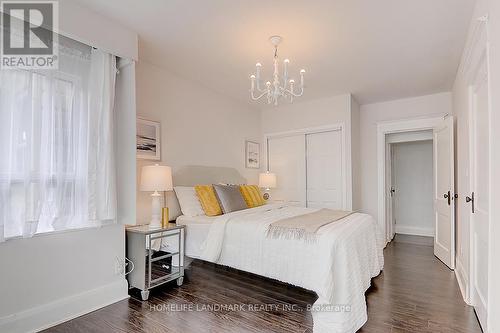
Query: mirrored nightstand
x=157 y=254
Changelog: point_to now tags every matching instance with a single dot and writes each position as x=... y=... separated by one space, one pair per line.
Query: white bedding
x=338 y=267
x=196 y=232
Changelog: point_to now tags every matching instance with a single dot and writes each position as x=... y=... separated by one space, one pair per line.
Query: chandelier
x=279 y=87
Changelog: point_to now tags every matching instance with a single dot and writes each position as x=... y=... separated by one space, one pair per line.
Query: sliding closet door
x=287 y=159
x=324 y=169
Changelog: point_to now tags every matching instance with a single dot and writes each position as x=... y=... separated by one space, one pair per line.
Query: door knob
x=471 y=200
x=448 y=196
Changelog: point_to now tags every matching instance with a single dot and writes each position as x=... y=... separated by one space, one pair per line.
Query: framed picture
x=148 y=139
x=252 y=155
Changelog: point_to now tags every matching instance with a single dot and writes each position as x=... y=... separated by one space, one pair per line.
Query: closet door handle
x=471 y=200
x=448 y=196
x=393 y=190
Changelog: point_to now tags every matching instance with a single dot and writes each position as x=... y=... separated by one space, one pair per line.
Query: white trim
x=389 y=153
x=388 y=127
x=462 y=279
x=307 y=130
x=347 y=165
x=410 y=137
x=50 y=314
x=416 y=231
x=470 y=56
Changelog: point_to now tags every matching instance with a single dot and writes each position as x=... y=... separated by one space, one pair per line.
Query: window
x=56 y=144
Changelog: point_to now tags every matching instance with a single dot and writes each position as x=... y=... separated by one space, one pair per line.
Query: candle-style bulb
x=302 y=71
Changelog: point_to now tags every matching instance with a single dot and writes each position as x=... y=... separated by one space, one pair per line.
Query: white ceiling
x=376 y=49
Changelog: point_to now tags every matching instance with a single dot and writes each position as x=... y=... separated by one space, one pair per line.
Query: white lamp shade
x=156 y=178
x=267 y=180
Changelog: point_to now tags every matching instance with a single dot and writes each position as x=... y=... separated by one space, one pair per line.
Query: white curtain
x=56 y=144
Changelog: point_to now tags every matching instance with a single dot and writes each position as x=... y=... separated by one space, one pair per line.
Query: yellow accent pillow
x=208 y=200
x=252 y=196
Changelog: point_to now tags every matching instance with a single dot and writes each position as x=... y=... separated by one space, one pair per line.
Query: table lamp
x=267 y=180
x=156 y=178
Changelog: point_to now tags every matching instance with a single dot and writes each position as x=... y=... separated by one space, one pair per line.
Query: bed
x=338 y=266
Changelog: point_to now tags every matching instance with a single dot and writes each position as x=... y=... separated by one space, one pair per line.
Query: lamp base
x=155 y=210
x=155 y=223
x=164 y=217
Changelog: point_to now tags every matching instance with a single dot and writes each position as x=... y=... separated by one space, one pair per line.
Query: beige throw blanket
x=305 y=226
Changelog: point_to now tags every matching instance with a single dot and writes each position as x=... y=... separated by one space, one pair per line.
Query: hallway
x=416 y=292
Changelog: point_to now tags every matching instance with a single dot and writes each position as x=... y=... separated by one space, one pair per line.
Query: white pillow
x=188 y=200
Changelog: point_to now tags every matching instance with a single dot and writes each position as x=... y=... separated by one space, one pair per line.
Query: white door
x=479 y=197
x=287 y=159
x=324 y=169
x=444 y=190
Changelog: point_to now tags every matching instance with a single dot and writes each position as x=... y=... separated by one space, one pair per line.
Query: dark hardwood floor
x=415 y=293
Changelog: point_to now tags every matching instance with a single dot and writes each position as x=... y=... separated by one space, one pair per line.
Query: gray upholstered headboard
x=200 y=175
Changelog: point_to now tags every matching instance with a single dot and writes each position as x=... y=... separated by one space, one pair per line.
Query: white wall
x=355 y=154
x=51 y=278
x=93 y=29
x=54 y=277
x=198 y=126
x=299 y=115
x=460 y=110
x=370 y=115
x=413 y=179
x=125 y=127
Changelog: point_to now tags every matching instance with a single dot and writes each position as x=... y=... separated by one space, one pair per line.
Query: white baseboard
x=463 y=281
x=416 y=231
x=64 y=309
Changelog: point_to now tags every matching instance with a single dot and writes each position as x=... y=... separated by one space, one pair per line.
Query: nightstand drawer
x=161 y=268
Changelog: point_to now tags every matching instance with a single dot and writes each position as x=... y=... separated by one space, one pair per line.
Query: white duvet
x=338 y=266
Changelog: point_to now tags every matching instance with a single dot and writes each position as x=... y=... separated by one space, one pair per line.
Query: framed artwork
x=148 y=139
x=252 y=155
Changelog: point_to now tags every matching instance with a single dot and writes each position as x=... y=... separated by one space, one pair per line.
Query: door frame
x=346 y=155
x=477 y=50
x=390 y=127
x=405 y=137
x=389 y=173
